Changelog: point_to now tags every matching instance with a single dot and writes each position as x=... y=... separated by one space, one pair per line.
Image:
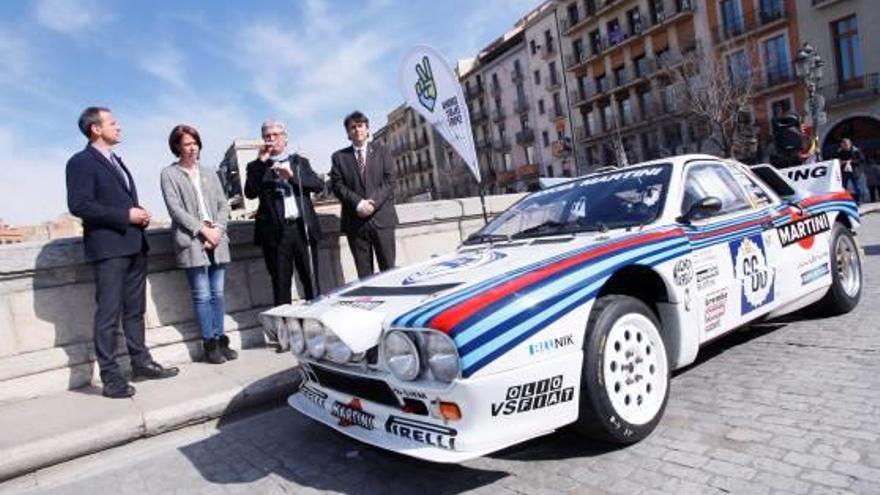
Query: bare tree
x=714 y=96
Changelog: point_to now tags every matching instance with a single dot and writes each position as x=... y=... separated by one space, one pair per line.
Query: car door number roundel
x=750 y=268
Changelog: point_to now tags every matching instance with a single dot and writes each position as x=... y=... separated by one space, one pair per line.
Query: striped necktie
x=362 y=163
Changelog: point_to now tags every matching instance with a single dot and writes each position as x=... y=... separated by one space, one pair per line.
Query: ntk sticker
x=751 y=269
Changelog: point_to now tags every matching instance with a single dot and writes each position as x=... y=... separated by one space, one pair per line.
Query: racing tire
x=625 y=374
x=846 y=274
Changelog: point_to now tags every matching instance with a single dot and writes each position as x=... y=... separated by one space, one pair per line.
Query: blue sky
x=222 y=66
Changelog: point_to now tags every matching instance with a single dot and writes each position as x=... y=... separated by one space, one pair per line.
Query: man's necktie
x=118 y=166
x=362 y=164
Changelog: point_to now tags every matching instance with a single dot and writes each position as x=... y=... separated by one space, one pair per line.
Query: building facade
x=617 y=54
x=839 y=30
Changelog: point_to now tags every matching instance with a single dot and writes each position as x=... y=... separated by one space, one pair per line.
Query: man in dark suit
x=362 y=177
x=286 y=225
x=101 y=191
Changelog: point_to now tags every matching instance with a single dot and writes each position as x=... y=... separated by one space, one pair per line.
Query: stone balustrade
x=47 y=293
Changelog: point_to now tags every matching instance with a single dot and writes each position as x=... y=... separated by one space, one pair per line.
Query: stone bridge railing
x=47 y=293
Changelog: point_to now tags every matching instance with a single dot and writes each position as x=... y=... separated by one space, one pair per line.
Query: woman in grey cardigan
x=198 y=210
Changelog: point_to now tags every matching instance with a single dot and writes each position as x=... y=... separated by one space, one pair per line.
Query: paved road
x=789 y=407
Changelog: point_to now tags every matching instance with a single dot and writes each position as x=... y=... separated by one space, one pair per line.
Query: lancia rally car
x=570 y=308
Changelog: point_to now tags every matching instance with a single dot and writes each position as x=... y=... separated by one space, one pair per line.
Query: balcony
x=525 y=137
x=864 y=87
x=474 y=91
x=741 y=25
x=516 y=76
x=479 y=115
x=574 y=59
x=773 y=76
x=521 y=106
x=482 y=142
x=553 y=82
x=548 y=50
x=527 y=171
x=498 y=115
x=555 y=113
x=577 y=97
x=580 y=133
x=645 y=67
x=501 y=145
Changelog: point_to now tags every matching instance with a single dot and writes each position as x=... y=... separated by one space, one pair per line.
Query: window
x=777 y=66
x=554 y=76
x=781 y=107
x=847 y=51
x=530 y=154
x=590 y=123
x=545 y=138
x=615 y=33
x=738 y=67
x=590 y=6
x=557 y=105
x=601 y=84
x=634 y=19
x=713 y=179
x=731 y=18
x=620 y=75
x=548 y=41
x=549 y=171
x=573 y=16
x=607 y=116
x=533 y=47
x=541 y=107
x=626 y=110
x=537 y=77
x=577 y=47
x=596 y=42
x=645 y=102
x=770 y=10
x=755 y=192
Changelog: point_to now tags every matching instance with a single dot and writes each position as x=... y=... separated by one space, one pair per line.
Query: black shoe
x=213 y=354
x=117 y=389
x=228 y=353
x=152 y=371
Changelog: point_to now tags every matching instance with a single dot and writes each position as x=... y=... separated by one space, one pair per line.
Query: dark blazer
x=260 y=183
x=348 y=185
x=96 y=193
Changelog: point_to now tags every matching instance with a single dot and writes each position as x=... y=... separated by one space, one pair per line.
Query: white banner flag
x=431 y=87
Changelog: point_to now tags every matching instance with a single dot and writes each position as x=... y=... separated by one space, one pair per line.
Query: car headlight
x=316 y=339
x=297 y=339
x=442 y=357
x=401 y=355
x=337 y=350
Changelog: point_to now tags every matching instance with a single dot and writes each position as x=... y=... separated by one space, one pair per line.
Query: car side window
x=755 y=192
x=711 y=179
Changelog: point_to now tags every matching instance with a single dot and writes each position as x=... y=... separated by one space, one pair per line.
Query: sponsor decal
x=707 y=277
x=750 y=267
x=419 y=431
x=813 y=261
x=716 y=306
x=802 y=174
x=410 y=394
x=367 y=303
x=632 y=174
x=465 y=262
x=683 y=272
x=533 y=396
x=814 y=274
x=313 y=395
x=803 y=230
x=550 y=345
x=352 y=414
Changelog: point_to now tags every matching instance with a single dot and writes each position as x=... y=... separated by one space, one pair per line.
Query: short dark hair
x=89 y=117
x=357 y=117
x=177 y=134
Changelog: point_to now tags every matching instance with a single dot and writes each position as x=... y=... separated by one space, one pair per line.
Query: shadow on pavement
x=564 y=443
x=312 y=455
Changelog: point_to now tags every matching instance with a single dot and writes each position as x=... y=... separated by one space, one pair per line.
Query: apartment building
x=625 y=107
x=757 y=41
x=500 y=102
x=839 y=30
x=551 y=132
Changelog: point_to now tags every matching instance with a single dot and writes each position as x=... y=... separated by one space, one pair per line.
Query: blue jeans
x=206 y=287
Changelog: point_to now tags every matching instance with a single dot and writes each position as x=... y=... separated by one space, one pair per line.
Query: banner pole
x=483 y=201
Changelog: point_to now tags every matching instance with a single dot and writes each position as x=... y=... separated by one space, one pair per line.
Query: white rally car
x=570 y=308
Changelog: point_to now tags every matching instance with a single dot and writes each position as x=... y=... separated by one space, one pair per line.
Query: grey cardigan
x=183 y=207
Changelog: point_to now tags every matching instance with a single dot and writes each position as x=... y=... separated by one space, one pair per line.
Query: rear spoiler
x=803 y=180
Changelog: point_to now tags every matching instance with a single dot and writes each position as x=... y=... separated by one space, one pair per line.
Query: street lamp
x=808 y=67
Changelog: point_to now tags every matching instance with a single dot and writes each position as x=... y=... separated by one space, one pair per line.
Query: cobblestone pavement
x=789 y=407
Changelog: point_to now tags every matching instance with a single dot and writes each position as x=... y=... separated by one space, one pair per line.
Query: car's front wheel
x=846 y=273
x=625 y=375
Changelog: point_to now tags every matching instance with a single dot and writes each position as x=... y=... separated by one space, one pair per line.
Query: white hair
x=271 y=123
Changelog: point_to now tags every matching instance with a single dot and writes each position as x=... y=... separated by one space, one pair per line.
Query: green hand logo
x=426 y=89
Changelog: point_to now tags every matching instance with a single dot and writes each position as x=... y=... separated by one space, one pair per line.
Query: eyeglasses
x=273 y=135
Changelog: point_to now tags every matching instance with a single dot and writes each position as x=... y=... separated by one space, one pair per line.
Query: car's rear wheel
x=625 y=374
x=846 y=273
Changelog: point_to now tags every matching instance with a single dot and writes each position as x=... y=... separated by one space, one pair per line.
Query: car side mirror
x=703 y=207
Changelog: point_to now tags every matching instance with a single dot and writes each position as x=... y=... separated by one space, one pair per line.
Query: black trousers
x=291 y=251
x=120 y=290
x=365 y=242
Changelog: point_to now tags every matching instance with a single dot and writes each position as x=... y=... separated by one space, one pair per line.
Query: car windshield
x=618 y=199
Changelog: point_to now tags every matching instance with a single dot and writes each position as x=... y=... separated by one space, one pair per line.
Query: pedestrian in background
x=286 y=226
x=198 y=210
x=852 y=161
x=362 y=177
x=102 y=192
x=872 y=171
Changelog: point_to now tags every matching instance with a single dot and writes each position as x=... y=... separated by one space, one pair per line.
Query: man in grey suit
x=362 y=177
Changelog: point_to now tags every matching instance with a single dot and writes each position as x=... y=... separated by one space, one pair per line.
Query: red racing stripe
x=844 y=195
x=732 y=228
x=448 y=319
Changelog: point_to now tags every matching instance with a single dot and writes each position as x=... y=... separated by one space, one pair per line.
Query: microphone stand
x=312 y=275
